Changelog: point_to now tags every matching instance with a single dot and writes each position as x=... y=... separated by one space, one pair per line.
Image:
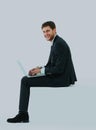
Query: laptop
x=24 y=71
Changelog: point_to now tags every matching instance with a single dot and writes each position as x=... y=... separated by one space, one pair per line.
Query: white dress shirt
x=43 y=68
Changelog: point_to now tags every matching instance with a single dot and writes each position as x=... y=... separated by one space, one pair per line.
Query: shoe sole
x=26 y=121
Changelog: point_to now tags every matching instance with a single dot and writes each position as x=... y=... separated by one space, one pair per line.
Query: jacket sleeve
x=59 y=60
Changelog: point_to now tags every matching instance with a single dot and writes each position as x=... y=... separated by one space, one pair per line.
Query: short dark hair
x=51 y=24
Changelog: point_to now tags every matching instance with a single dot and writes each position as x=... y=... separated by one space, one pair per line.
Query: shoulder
x=60 y=43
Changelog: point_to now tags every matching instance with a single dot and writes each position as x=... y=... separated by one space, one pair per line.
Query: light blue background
x=21 y=38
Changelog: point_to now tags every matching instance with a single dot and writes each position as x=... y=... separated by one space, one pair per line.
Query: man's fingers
x=34 y=71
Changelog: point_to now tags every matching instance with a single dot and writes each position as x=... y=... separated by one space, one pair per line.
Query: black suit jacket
x=60 y=67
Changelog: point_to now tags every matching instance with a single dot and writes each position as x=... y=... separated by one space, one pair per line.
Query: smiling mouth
x=47 y=36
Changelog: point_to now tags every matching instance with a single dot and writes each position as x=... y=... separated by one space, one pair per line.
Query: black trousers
x=26 y=83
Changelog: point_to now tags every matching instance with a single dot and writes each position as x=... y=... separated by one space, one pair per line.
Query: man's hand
x=34 y=71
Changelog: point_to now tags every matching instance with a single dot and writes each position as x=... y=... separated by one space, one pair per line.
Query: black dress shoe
x=19 y=118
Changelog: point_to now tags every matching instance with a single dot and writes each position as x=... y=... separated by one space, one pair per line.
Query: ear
x=54 y=30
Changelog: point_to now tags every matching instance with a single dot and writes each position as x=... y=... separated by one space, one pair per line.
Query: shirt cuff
x=43 y=70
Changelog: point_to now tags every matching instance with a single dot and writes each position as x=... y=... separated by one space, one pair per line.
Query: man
x=58 y=72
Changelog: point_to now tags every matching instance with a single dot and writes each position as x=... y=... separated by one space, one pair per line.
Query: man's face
x=49 y=33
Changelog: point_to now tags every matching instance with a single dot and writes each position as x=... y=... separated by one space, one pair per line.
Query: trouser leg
x=24 y=95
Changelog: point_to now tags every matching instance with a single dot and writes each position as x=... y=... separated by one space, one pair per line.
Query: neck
x=53 y=38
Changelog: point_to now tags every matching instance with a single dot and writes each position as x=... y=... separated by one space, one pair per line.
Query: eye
x=48 y=31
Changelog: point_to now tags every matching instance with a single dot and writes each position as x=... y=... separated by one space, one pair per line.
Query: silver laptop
x=25 y=73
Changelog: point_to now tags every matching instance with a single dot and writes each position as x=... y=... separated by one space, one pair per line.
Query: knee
x=24 y=80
